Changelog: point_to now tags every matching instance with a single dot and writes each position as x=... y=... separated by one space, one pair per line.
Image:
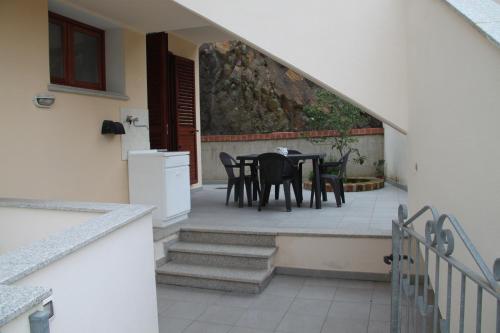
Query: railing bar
x=436 y=297
x=395 y=296
x=435 y=214
x=417 y=280
x=462 y=303
x=498 y=315
x=448 y=293
x=409 y=285
x=459 y=266
x=400 y=263
x=425 y=291
x=479 y=308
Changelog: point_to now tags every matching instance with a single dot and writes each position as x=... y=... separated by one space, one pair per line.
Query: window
x=76 y=53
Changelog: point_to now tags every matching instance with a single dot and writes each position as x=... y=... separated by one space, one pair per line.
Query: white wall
x=396 y=155
x=356 y=48
x=107 y=286
x=22 y=226
x=453 y=136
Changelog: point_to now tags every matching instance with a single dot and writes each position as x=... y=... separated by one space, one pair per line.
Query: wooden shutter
x=157 y=87
x=185 y=111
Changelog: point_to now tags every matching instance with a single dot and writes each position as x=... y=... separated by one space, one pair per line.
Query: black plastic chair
x=276 y=169
x=232 y=180
x=335 y=180
x=298 y=163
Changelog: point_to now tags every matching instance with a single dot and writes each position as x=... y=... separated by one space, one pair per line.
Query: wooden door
x=161 y=134
x=185 y=112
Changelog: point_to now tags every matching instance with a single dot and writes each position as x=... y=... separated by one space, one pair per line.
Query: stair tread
x=227 y=230
x=214 y=272
x=224 y=249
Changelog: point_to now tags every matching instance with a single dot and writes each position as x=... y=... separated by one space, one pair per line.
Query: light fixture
x=112 y=127
x=44 y=100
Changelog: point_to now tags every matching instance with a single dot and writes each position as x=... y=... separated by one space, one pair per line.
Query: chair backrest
x=228 y=161
x=343 y=167
x=274 y=167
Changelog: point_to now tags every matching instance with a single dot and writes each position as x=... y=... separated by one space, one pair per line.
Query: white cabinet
x=160 y=178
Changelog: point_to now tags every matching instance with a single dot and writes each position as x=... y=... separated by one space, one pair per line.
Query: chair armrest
x=329 y=165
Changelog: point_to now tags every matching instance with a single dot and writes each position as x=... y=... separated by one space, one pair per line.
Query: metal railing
x=414 y=302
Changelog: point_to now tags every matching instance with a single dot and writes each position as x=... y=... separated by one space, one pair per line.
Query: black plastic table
x=316 y=158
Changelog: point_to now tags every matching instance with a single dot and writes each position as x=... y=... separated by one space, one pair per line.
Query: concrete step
x=226 y=236
x=214 y=277
x=223 y=255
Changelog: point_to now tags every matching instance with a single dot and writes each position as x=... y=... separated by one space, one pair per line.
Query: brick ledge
x=288 y=135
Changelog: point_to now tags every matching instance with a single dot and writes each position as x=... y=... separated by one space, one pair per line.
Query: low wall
x=371 y=144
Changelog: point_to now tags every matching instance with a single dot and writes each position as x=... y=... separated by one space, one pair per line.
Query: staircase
x=220 y=259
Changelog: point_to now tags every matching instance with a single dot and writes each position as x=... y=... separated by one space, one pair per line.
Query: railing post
x=395 y=281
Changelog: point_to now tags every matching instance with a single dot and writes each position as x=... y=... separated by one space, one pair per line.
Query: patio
x=289 y=304
x=364 y=213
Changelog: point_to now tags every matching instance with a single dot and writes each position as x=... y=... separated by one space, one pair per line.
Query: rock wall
x=244 y=91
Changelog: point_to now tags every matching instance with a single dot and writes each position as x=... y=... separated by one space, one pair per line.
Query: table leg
x=241 y=196
x=317 y=188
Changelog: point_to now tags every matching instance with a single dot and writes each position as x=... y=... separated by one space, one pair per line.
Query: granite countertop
x=17 y=264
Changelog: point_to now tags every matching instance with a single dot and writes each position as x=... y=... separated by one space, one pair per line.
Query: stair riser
x=187 y=281
x=219 y=260
x=227 y=238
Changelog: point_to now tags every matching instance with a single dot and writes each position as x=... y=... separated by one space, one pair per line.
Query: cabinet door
x=178 y=196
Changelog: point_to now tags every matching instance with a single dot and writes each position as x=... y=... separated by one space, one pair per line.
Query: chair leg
x=228 y=194
x=248 y=188
x=312 y=194
x=323 y=191
x=288 y=201
x=342 y=195
x=336 y=191
x=276 y=191
x=236 y=190
x=296 y=191
x=299 y=183
x=267 y=193
x=262 y=194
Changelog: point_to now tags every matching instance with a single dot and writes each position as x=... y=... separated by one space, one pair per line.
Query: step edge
x=173 y=249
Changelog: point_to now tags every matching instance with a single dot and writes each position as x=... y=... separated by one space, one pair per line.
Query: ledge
x=88 y=92
x=21 y=262
x=483 y=14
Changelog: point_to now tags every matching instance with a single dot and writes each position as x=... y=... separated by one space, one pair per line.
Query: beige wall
x=371 y=146
x=58 y=153
x=341 y=254
x=396 y=155
x=356 y=48
x=22 y=226
x=186 y=49
x=453 y=133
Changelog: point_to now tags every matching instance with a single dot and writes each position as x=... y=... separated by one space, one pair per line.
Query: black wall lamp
x=112 y=127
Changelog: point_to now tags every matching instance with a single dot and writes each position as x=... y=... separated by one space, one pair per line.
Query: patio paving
x=367 y=213
x=289 y=304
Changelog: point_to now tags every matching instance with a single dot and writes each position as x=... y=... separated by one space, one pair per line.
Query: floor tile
x=381 y=296
x=323 y=282
x=271 y=302
x=379 y=327
x=222 y=314
x=352 y=295
x=311 y=307
x=357 y=284
x=164 y=304
x=186 y=310
x=348 y=310
x=203 y=327
x=261 y=319
x=317 y=292
x=237 y=329
x=380 y=312
x=296 y=323
x=236 y=299
x=339 y=325
x=172 y=324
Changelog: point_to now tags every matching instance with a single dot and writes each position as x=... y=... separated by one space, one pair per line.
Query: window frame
x=69 y=27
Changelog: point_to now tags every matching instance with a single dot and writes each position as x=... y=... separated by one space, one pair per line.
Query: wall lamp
x=112 y=127
x=43 y=100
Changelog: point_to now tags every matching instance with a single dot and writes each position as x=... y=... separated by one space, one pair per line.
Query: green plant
x=379 y=168
x=332 y=113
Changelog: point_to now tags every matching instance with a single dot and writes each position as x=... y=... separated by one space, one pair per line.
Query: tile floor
x=364 y=212
x=288 y=304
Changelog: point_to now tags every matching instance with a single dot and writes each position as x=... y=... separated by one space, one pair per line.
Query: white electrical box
x=160 y=178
